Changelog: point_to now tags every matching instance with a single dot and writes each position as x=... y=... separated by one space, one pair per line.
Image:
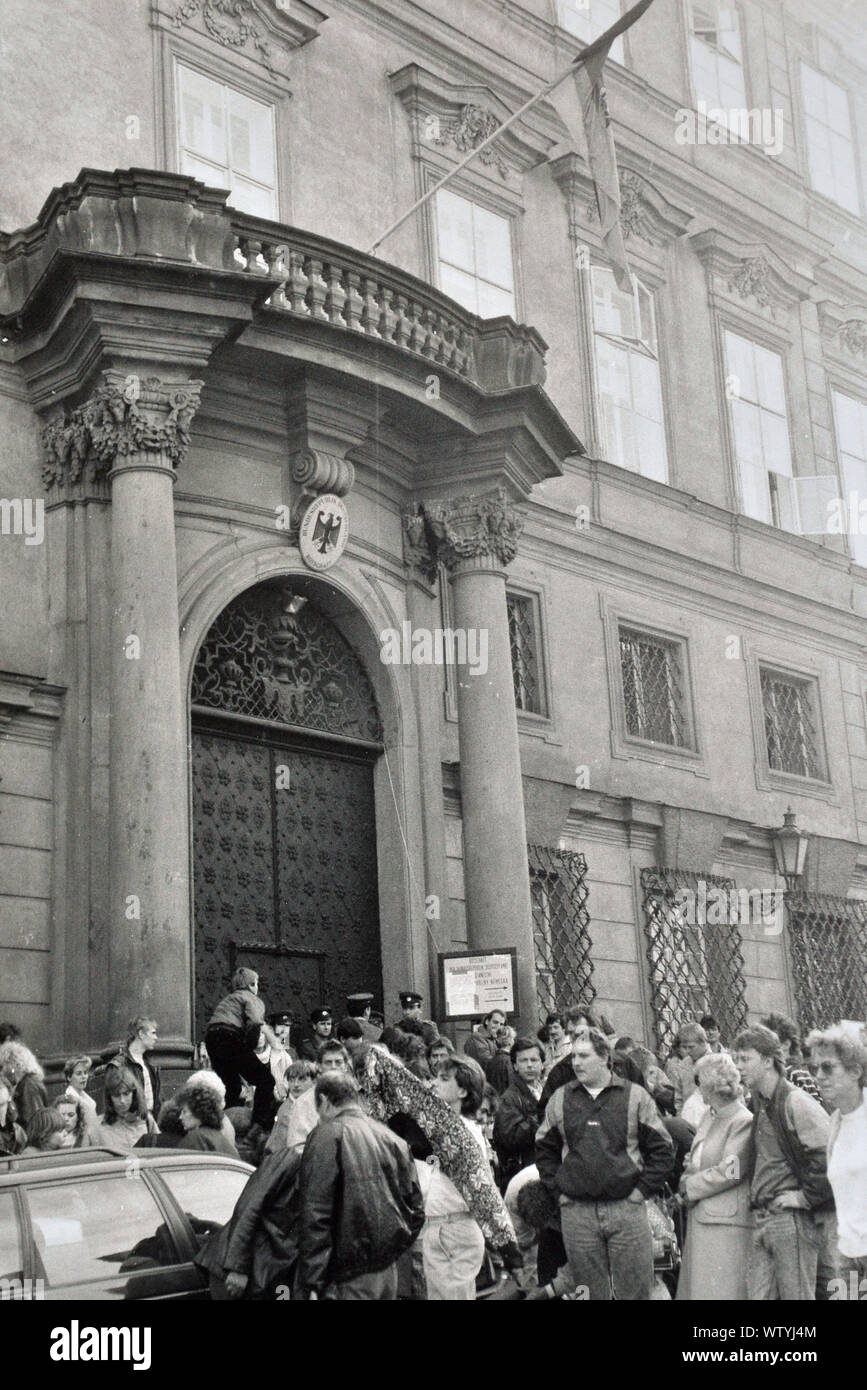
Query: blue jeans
x=784 y=1256
x=609 y=1248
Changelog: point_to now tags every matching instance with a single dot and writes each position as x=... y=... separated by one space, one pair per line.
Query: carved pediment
x=645 y=213
x=450 y=119
x=750 y=272
x=265 y=31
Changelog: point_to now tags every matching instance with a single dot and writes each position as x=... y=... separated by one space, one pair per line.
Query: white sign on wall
x=476 y=982
x=324 y=532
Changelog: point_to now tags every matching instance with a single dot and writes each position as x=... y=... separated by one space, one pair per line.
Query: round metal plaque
x=324 y=532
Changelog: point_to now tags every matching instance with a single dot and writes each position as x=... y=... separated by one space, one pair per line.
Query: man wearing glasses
x=789 y=1189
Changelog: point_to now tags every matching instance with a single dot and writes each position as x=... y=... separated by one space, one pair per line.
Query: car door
x=205 y=1195
x=106 y=1237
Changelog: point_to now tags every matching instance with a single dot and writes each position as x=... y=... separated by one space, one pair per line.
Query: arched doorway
x=285 y=734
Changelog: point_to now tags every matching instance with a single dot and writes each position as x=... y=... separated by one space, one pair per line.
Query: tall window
x=227 y=139
x=654 y=689
x=627 y=361
x=715 y=56
x=830 y=149
x=525 y=653
x=475 y=256
x=791 y=724
x=587 y=19
x=850 y=418
x=761 y=433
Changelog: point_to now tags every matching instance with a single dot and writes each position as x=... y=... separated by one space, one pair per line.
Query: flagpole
x=604 y=41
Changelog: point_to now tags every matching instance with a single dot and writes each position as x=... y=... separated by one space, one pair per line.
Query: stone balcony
x=147 y=219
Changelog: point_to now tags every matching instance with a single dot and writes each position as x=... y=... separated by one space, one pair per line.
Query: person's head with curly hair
x=74 y=1119
x=412 y=1052
x=17 y=1061
x=199 y=1106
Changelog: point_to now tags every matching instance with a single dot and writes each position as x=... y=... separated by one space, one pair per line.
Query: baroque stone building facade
x=205 y=760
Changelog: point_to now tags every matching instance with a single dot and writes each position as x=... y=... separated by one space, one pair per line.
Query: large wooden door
x=285 y=733
x=284 y=872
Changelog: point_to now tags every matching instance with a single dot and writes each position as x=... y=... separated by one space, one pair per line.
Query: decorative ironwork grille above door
x=828 y=939
x=285 y=735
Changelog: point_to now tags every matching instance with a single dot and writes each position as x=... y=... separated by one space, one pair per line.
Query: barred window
x=654 y=689
x=525 y=653
x=695 y=967
x=828 y=940
x=558 y=893
x=791 y=726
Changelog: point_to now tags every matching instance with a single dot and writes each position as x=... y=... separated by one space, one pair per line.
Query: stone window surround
x=624 y=746
x=486 y=197
x=756 y=657
x=535 y=725
x=853 y=135
x=781 y=352
x=196 y=51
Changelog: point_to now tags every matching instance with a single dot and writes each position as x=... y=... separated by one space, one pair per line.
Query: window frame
x=225 y=88
x=651 y=287
x=858 y=210
x=624 y=745
x=761 y=658
x=781 y=350
x=245 y=77
x=472 y=193
x=687 y=10
x=622 y=38
x=534 y=597
x=837 y=388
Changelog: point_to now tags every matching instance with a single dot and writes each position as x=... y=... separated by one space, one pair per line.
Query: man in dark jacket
x=789 y=1189
x=254 y=1254
x=361 y=1205
x=519 y=1113
x=601 y=1151
x=141 y=1038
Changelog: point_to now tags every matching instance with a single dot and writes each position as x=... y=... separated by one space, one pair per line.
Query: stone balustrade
x=149 y=217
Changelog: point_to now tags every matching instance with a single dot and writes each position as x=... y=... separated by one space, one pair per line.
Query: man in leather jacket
x=360 y=1202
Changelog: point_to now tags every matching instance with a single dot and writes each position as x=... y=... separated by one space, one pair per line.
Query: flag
x=582 y=100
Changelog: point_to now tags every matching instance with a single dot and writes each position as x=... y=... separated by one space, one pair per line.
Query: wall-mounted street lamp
x=790 y=849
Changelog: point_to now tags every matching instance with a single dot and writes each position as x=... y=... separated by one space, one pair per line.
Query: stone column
x=476 y=538
x=136 y=430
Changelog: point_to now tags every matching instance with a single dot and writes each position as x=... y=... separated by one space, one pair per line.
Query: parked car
x=97 y=1224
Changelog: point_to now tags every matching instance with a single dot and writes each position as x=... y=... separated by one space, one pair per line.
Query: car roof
x=62 y=1163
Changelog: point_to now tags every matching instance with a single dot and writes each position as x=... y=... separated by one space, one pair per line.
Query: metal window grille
x=561 y=922
x=695 y=968
x=790 y=725
x=653 y=688
x=828 y=940
x=525 y=660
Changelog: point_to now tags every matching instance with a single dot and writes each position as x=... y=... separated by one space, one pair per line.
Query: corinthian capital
x=478 y=526
x=126 y=416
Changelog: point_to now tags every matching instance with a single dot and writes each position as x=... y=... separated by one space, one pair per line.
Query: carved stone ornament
x=853 y=336
x=236 y=34
x=634 y=217
x=317 y=472
x=124 y=416
x=466 y=528
x=751 y=278
x=474 y=125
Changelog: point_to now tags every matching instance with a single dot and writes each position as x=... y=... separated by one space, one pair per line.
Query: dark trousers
x=233 y=1061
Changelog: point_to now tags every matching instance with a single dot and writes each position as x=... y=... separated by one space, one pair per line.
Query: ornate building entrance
x=285 y=732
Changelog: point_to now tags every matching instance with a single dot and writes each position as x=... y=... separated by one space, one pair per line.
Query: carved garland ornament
x=751 y=278
x=224 y=34
x=119 y=419
x=853 y=336
x=633 y=211
x=474 y=125
x=463 y=528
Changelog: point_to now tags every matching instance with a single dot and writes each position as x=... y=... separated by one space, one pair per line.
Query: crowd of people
x=574 y=1164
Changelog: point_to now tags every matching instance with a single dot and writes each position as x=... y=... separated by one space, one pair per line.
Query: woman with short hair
x=126 y=1116
x=839 y=1057
x=77 y=1073
x=21 y=1068
x=715 y=1189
